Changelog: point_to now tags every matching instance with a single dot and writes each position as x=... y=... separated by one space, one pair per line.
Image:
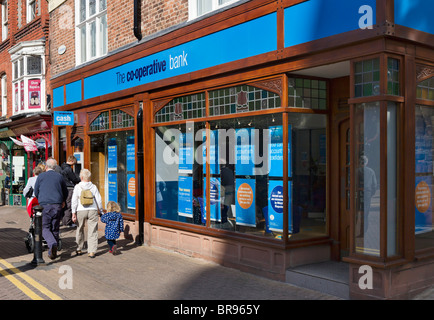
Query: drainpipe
x=140 y=178
x=137 y=19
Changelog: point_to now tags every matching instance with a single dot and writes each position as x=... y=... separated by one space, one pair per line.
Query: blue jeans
x=51 y=217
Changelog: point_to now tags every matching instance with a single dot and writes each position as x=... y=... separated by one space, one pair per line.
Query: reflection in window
x=367 y=78
x=424 y=177
x=179 y=173
x=367 y=182
x=113 y=168
x=246 y=175
x=425 y=89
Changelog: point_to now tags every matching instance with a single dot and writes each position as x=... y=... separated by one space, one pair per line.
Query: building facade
x=261 y=135
x=25 y=123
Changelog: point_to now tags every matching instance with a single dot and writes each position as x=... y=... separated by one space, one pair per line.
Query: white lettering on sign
x=65 y=118
x=178 y=61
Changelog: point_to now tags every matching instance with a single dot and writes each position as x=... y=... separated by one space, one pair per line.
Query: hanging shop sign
x=63 y=118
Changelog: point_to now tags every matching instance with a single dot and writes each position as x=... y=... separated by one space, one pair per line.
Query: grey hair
x=85 y=174
x=51 y=163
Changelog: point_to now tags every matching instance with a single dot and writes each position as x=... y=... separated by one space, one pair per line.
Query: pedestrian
x=71 y=179
x=82 y=212
x=51 y=191
x=114 y=225
x=29 y=190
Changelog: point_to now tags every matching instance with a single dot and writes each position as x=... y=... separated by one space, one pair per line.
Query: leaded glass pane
x=393 y=77
x=101 y=122
x=307 y=93
x=425 y=89
x=121 y=119
x=182 y=108
x=367 y=78
x=241 y=99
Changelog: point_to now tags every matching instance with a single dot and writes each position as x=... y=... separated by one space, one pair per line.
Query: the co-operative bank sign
x=304 y=22
x=63 y=118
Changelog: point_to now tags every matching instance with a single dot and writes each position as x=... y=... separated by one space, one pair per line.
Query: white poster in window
x=34 y=93
x=16 y=98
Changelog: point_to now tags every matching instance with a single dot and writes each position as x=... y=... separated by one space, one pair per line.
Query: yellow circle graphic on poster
x=423 y=197
x=132 y=187
x=245 y=196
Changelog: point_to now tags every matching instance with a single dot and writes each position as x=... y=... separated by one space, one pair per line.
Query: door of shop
x=344 y=175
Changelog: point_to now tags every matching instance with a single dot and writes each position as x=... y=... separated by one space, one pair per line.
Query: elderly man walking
x=51 y=191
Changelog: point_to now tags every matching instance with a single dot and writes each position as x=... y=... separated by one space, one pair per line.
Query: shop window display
x=113 y=168
x=424 y=177
x=245 y=160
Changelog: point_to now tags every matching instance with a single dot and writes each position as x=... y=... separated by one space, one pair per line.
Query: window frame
x=207 y=119
x=4 y=93
x=31 y=10
x=87 y=21
x=193 y=7
x=5 y=20
x=20 y=55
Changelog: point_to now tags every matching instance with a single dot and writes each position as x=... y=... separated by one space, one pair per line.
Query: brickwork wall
x=157 y=15
x=62 y=32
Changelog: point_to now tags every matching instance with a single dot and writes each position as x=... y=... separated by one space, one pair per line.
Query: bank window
x=182 y=108
x=393 y=75
x=5 y=23
x=425 y=89
x=367 y=78
x=424 y=151
x=121 y=119
x=307 y=93
x=91 y=29
x=201 y=7
x=112 y=165
x=241 y=99
x=101 y=122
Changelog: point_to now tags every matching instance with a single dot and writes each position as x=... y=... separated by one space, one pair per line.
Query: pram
x=29 y=240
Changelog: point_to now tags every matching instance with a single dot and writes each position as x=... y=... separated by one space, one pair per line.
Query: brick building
x=264 y=135
x=25 y=100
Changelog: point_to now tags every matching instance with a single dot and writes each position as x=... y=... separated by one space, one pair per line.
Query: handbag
x=29 y=193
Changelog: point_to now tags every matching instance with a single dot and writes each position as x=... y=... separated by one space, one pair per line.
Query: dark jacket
x=50 y=188
x=71 y=179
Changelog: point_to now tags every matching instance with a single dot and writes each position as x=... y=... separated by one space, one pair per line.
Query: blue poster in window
x=186 y=153
x=213 y=153
x=214 y=198
x=113 y=187
x=131 y=195
x=131 y=154
x=423 y=203
x=245 y=202
x=275 y=206
x=185 y=196
x=275 y=151
x=245 y=152
x=112 y=155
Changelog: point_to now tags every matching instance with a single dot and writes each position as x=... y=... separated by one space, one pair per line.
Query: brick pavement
x=138 y=272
